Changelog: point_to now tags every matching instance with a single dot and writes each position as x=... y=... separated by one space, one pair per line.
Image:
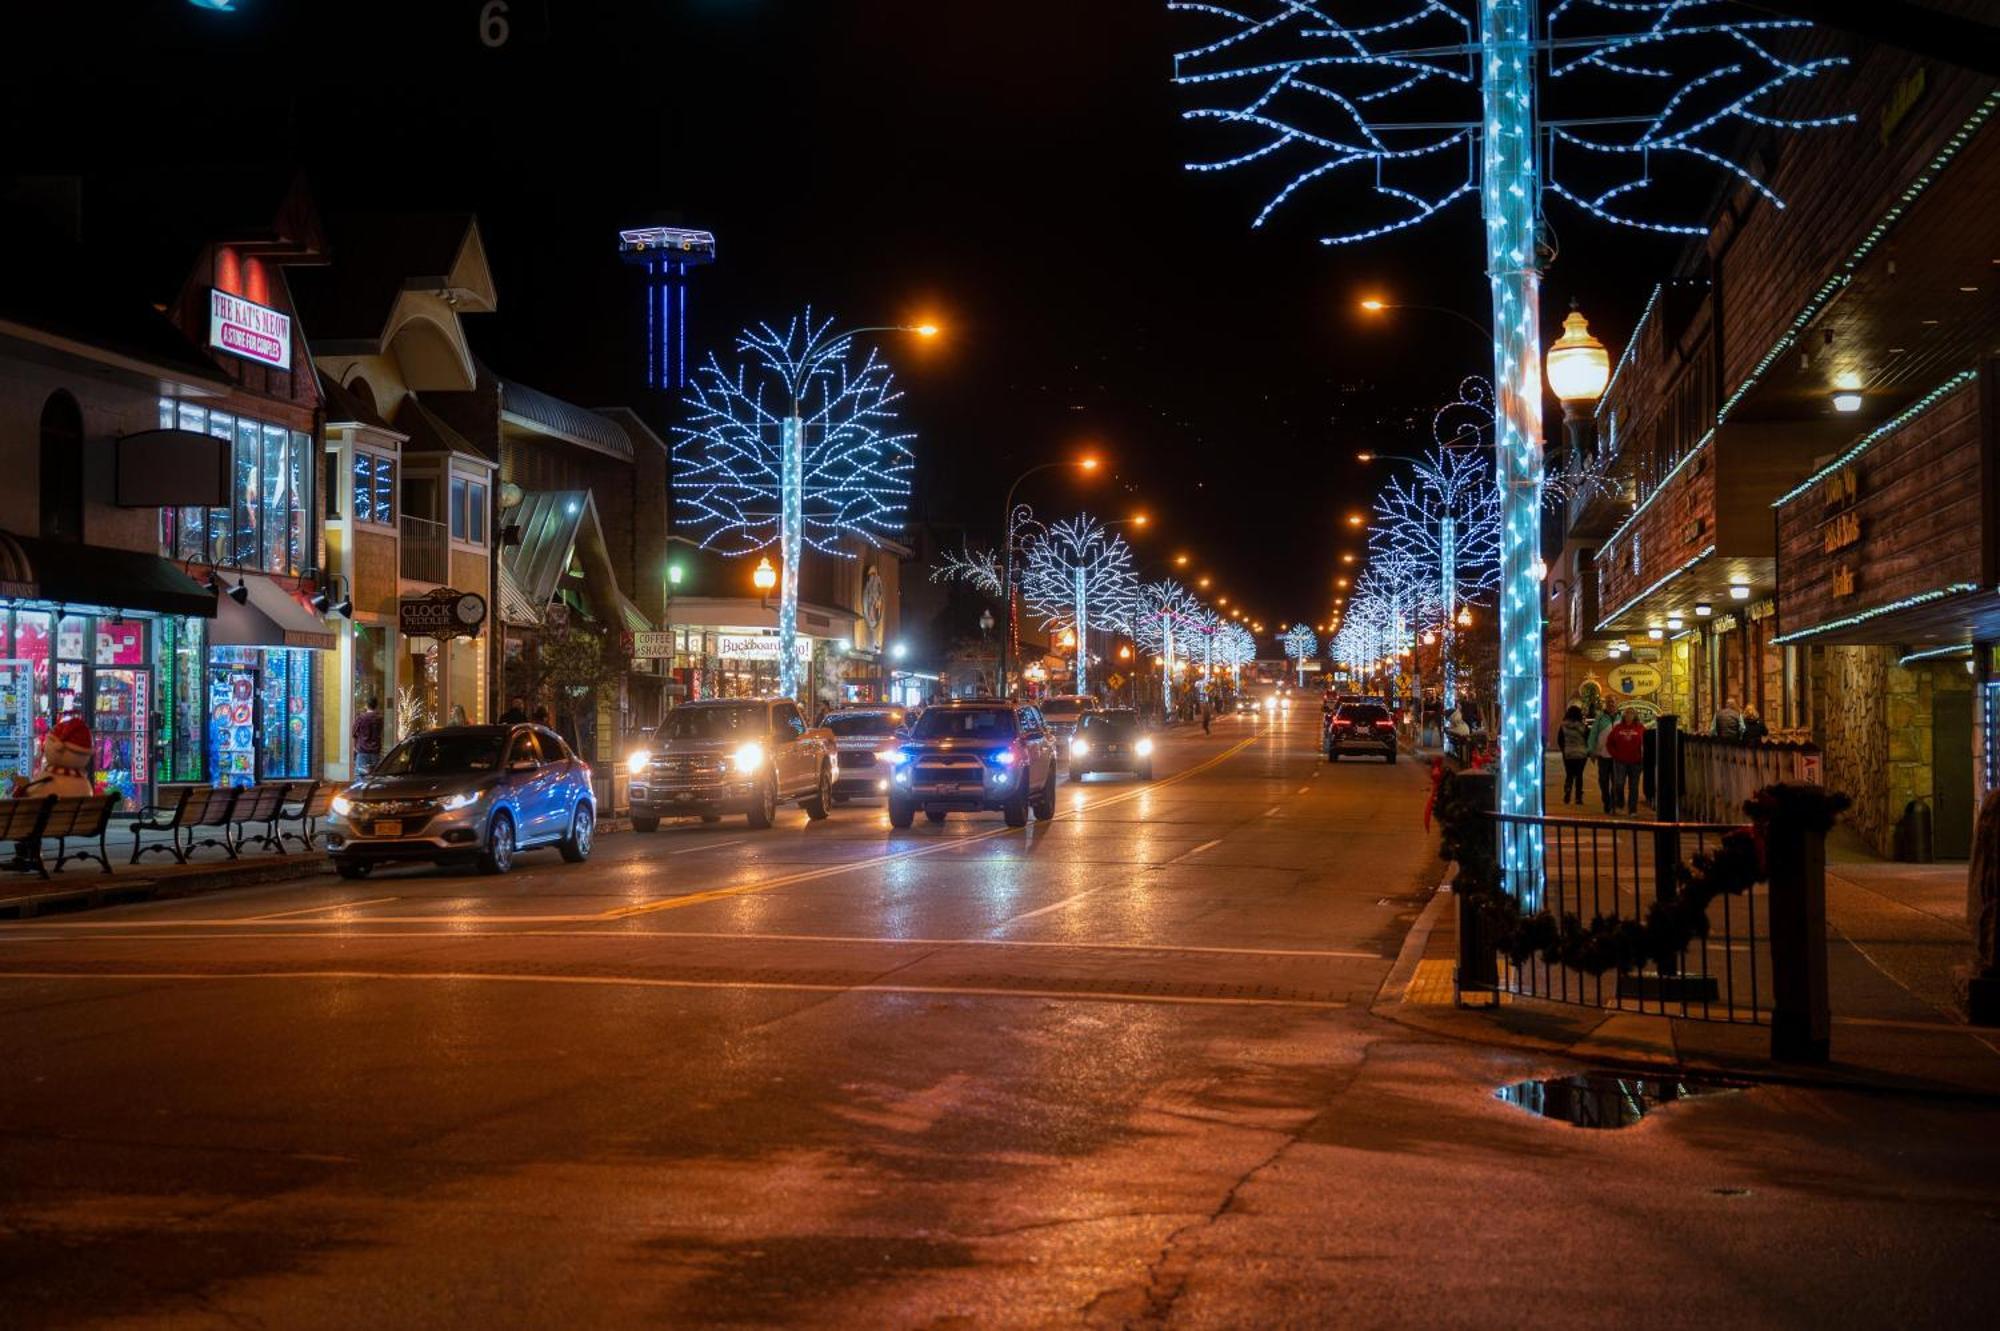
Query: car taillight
x=1385 y=725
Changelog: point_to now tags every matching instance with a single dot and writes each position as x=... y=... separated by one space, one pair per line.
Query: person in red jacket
x=1626 y=743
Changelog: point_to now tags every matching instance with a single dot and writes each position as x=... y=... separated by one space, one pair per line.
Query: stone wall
x=1875 y=722
x=1851 y=684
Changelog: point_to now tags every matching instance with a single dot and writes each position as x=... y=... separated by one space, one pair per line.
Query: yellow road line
x=916 y=852
x=651 y=982
x=315 y=910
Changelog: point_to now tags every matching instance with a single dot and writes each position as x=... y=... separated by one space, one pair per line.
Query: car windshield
x=1062 y=709
x=438 y=754
x=862 y=723
x=714 y=722
x=1107 y=723
x=1363 y=714
x=966 y=723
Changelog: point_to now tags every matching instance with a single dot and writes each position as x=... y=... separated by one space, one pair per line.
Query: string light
x=1933 y=653
x=1302 y=645
x=1934 y=398
x=1906 y=603
x=794 y=447
x=1604 y=625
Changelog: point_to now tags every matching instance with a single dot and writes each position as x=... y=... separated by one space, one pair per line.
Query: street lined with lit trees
x=1122 y=1068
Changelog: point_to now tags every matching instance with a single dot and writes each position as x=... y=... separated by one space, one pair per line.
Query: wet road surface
x=1112 y=1070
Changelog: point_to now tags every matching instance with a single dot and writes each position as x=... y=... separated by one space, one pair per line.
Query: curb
x=115 y=890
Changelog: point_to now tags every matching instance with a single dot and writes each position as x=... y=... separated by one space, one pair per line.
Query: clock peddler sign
x=444 y=613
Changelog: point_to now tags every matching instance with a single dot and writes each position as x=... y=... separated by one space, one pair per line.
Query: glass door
x=232 y=725
x=121 y=727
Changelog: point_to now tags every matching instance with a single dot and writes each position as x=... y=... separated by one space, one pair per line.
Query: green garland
x=1672 y=924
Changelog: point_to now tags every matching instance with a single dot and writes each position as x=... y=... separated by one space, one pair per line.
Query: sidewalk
x=84 y=884
x=1885 y=1037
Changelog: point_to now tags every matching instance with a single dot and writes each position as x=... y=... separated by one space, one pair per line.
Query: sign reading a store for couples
x=245 y=328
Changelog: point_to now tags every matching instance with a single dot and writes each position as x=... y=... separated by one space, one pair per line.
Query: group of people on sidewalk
x=1619 y=742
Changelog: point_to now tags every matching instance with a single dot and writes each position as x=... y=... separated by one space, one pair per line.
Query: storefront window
x=374 y=489
x=178 y=648
x=260 y=702
x=265 y=526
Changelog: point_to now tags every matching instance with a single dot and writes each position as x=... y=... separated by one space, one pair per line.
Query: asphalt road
x=1116 y=1069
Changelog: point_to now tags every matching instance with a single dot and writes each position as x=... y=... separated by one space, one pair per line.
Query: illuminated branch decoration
x=795 y=446
x=1302 y=645
x=1436 y=538
x=1078 y=576
x=1235 y=648
x=978 y=569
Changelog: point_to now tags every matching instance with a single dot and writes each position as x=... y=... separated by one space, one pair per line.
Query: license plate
x=1114 y=748
x=388 y=829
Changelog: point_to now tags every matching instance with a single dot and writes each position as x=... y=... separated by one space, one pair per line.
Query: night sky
x=1012 y=170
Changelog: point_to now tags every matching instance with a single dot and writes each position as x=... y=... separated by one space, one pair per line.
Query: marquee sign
x=254 y=332
x=757 y=647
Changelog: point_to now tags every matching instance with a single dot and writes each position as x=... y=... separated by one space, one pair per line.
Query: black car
x=1361 y=727
x=974 y=755
x=1111 y=741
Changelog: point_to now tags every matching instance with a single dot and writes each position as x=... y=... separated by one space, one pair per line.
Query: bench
x=186 y=811
x=260 y=805
x=308 y=807
x=22 y=821
x=86 y=817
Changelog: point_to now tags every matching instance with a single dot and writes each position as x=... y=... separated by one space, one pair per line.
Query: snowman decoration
x=65 y=763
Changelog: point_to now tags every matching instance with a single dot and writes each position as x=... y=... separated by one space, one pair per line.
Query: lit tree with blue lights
x=1235 y=647
x=1317 y=100
x=1163 y=615
x=1302 y=645
x=1078 y=576
x=1444 y=523
x=795 y=445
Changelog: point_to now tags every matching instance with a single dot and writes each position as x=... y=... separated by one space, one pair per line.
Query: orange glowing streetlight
x=1180 y=561
x=1356 y=519
x=1202 y=583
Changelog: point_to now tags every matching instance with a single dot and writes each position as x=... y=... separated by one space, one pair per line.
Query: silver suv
x=733 y=755
x=861 y=733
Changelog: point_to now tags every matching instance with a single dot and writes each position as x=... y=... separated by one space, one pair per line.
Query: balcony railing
x=426 y=550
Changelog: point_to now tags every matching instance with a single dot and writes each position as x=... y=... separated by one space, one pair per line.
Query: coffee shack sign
x=247 y=329
x=444 y=613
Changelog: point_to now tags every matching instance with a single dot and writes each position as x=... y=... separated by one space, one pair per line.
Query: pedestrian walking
x=367 y=736
x=1600 y=728
x=1207 y=715
x=1626 y=743
x=1573 y=739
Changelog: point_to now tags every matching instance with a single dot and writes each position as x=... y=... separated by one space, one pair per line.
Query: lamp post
x=1012 y=516
x=1579 y=370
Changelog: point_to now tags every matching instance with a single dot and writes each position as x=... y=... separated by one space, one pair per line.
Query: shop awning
x=516 y=610
x=96 y=575
x=271 y=617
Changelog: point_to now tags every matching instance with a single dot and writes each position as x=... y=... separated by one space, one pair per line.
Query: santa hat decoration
x=68 y=744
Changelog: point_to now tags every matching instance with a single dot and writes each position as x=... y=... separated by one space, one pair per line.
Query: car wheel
x=353 y=868
x=498 y=857
x=901 y=815
x=1077 y=773
x=1016 y=810
x=645 y=824
x=576 y=846
x=1045 y=803
x=1332 y=754
x=711 y=818
x=1146 y=772
x=934 y=815
x=1390 y=756
x=816 y=808
x=765 y=811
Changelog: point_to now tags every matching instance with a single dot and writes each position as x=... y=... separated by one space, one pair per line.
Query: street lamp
x=1376 y=305
x=1579 y=368
x=1088 y=463
x=764 y=579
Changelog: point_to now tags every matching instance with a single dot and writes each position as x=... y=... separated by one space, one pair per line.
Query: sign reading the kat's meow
x=254 y=332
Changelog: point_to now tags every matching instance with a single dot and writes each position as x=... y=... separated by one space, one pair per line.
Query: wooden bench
x=22 y=821
x=308 y=806
x=260 y=806
x=187 y=810
x=86 y=817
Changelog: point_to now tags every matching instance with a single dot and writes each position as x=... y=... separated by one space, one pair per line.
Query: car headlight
x=1004 y=758
x=750 y=757
x=1144 y=748
x=638 y=761
x=1079 y=748
x=341 y=805
x=465 y=799
x=893 y=757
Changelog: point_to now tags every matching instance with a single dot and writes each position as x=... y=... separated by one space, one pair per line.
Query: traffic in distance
x=480 y=796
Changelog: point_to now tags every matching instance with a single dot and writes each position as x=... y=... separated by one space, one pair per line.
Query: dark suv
x=1361 y=727
x=972 y=756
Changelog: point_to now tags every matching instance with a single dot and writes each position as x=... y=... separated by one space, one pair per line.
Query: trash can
x=1913 y=833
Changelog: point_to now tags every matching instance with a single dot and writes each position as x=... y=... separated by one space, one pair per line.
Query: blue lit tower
x=664 y=254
